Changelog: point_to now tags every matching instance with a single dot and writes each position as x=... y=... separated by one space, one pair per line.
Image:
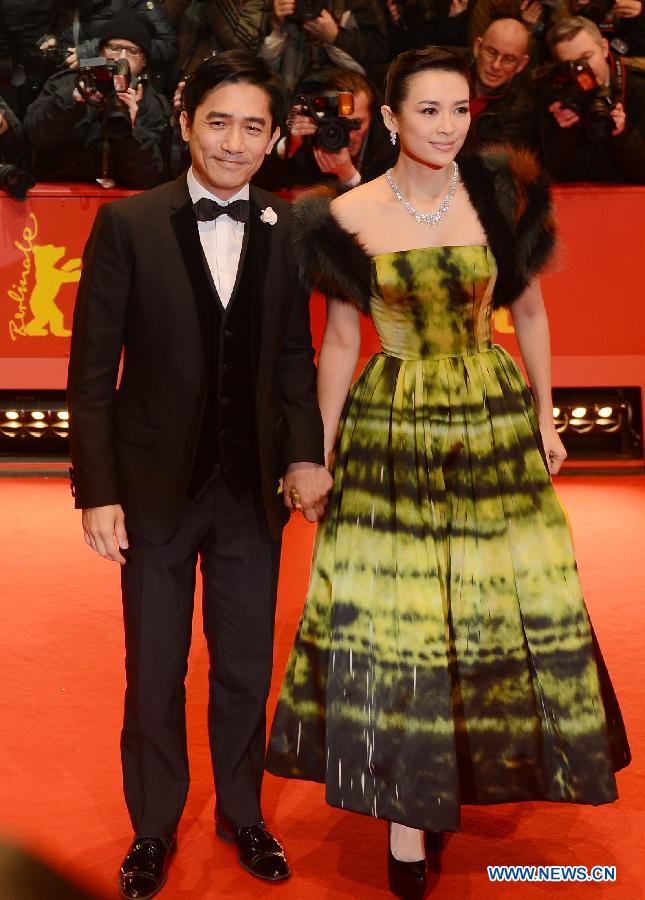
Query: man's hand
x=457 y=7
x=339 y=164
x=626 y=9
x=4 y=125
x=177 y=97
x=299 y=126
x=531 y=12
x=323 y=28
x=310 y=484
x=282 y=9
x=132 y=99
x=104 y=528
x=620 y=119
x=563 y=116
x=72 y=60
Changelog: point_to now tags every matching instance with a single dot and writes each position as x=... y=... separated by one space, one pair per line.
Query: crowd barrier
x=594 y=292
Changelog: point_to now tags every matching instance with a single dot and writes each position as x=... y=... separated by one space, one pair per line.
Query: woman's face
x=433 y=120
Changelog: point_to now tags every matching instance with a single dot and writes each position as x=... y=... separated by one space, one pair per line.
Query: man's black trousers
x=239 y=567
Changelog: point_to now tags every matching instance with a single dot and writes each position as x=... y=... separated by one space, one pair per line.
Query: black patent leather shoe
x=258 y=851
x=144 y=871
x=405 y=879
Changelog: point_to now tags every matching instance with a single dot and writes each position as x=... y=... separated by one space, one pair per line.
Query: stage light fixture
x=599 y=423
x=34 y=422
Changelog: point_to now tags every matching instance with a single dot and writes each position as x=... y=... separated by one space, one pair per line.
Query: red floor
x=61 y=648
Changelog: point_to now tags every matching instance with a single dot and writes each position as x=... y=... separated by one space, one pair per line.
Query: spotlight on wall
x=33 y=423
x=599 y=423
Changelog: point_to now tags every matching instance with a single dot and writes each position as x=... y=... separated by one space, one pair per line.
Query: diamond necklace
x=432 y=218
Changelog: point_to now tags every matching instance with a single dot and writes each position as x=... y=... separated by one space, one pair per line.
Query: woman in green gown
x=445 y=654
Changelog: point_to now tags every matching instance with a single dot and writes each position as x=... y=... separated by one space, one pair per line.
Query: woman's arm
x=532 y=330
x=336 y=365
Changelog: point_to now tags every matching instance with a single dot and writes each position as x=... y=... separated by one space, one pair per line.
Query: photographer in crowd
x=93 y=15
x=349 y=34
x=594 y=124
x=23 y=26
x=503 y=106
x=329 y=142
x=103 y=121
x=418 y=23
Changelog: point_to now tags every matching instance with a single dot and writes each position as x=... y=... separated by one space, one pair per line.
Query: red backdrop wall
x=594 y=293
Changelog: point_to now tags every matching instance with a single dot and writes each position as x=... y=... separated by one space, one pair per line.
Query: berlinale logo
x=35 y=292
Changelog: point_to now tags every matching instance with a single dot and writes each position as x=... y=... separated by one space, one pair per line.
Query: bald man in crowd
x=503 y=106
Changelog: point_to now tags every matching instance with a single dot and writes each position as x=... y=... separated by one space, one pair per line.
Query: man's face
x=229 y=137
x=583 y=46
x=363 y=113
x=121 y=48
x=500 y=53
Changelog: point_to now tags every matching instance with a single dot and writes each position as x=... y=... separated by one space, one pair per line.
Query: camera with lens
x=331 y=112
x=99 y=81
x=306 y=10
x=574 y=84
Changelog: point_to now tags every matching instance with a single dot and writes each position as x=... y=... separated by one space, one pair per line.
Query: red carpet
x=61 y=648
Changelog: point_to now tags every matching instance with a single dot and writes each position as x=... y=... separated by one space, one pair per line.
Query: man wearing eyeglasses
x=113 y=134
x=502 y=106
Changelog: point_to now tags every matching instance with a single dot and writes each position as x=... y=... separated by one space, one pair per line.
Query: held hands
x=104 y=528
x=553 y=447
x=305 y=487
x=282 y=9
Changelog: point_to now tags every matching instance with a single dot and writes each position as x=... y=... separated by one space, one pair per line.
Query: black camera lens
x=598 y=121
x=332 y=135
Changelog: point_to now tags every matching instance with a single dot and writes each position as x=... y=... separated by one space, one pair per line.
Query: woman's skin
x=431 y=126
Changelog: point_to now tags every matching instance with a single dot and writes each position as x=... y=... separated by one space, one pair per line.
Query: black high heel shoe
x=433 y=841
x=405 y=879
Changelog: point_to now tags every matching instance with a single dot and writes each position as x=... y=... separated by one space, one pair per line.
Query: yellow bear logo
x=48 y=279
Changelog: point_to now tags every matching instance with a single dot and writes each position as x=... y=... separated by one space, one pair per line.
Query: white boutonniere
x=269 y=216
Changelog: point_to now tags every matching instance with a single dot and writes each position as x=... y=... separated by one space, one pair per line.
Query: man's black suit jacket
x=145 y=293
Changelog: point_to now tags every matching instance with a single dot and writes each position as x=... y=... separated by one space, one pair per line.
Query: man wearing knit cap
x=79 y=135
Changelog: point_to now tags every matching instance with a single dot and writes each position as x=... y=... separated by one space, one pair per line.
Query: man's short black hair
x=233 y=67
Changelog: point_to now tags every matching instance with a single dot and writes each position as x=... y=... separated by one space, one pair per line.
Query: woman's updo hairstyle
x=427 y=59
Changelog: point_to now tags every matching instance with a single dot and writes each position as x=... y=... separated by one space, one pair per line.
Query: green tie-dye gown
x=444 y=655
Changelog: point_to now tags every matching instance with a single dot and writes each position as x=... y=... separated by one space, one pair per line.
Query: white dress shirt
x=221 y=239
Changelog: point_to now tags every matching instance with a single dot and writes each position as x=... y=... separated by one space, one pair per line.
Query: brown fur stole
x=509 y=193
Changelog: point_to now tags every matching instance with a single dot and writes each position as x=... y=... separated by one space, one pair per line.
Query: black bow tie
x=206 y=210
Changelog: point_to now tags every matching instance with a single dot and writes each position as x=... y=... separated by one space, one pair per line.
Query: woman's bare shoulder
x=354 y=208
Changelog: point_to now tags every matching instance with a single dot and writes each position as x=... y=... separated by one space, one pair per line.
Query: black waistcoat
x=228 y=433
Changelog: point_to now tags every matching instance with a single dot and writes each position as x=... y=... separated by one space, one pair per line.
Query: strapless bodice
x=433 y=301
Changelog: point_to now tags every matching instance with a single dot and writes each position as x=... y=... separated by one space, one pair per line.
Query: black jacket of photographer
x=12 y=142
x=67 y=138
x=570 y=155
x=22 y=25
x=511 y=115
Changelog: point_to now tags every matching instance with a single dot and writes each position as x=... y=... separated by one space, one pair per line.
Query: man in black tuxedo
x=195 y=283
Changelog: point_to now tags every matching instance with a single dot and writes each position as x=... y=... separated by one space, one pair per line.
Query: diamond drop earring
x=393 y=137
